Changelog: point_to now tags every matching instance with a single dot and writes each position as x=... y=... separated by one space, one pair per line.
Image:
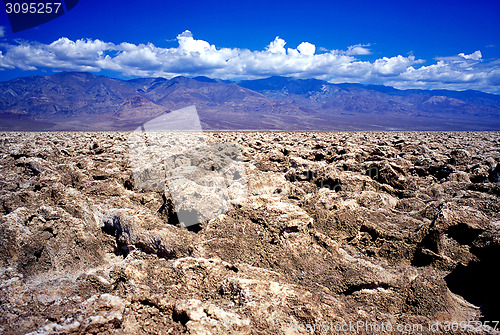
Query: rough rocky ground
x=383 y=228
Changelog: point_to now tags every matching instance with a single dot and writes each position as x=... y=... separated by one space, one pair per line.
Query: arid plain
x=399 y=228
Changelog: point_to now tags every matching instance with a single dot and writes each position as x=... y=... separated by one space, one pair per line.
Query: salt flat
x=336 y=227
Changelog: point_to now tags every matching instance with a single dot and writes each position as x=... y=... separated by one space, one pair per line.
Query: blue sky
x=424 y=44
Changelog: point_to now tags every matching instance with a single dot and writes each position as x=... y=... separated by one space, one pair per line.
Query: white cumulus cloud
x=189 y=44
x=359 y=49
x=194 y=57
x=277 y=46
x=306 y=48
x=474 y=56
x=393 y=66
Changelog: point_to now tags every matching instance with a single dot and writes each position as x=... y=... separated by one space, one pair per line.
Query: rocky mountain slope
x=395 y=228
x=83 y=101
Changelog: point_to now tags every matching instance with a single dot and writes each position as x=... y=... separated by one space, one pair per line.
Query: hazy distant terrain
x=83 y=101
x=337 y=227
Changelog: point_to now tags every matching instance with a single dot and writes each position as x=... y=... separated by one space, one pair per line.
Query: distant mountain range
x=83 y=101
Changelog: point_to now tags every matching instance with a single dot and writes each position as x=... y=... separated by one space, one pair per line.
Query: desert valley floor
x=384 y=228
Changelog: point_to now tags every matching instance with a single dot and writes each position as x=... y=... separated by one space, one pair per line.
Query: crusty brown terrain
x=394 y=228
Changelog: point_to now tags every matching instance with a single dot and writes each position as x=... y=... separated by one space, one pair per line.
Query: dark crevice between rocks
x=190 y=219
x=181 y=317
x=190 y=222
x=17 y=156
x=166 y=206
x=490 y=188
x=293 y=229
x=420 y=171
x=196 y=228
x=318 y=157
x=5 y=209
x=124 y=249
x=478 y=283
x=31 y=218
x=50 y=230
x=259 y=221
x=115 y=230
x=478 y=178
x=441 y=172
x=463 y=234
x=427 y=249
x=371 y=231
x=330 y=183
x=173 y=219
x=128 y=185
x=38 y=253
x=124 y=246
x=494 y=174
